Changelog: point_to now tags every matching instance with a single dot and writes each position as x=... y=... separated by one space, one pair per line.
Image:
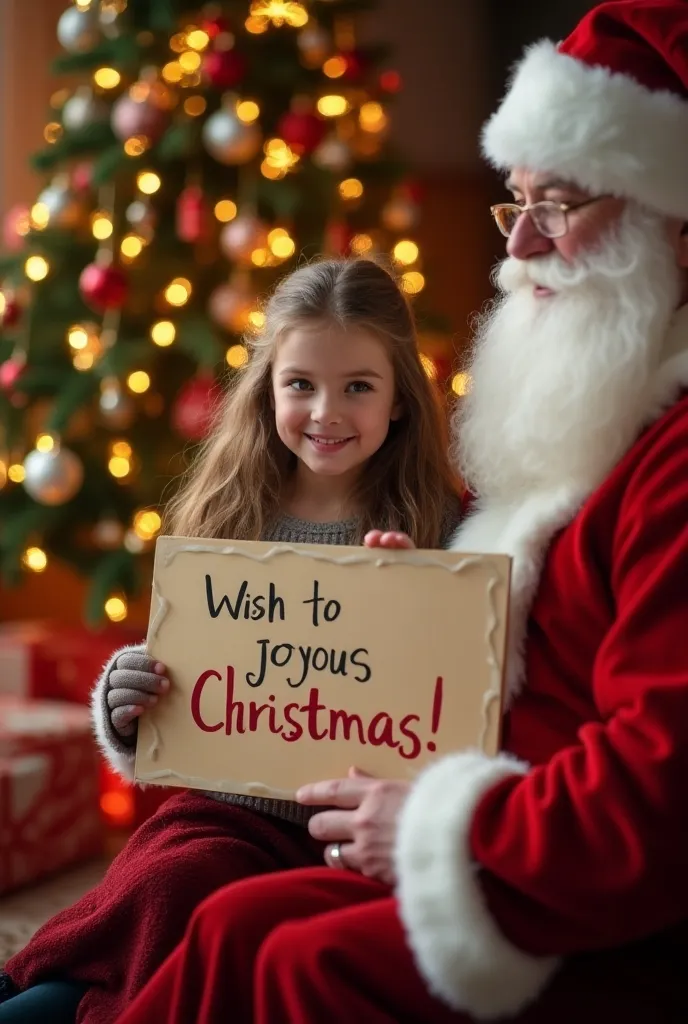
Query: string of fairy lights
x=344 y=120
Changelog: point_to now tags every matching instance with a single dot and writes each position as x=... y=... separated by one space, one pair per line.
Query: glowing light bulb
x=334 y=67
x=107 y=78
x=256 y=319
x=237 y=356
x=147 y=524
x=35 y=559
x=45 y=443
x=119 y=467
x=148 y=182
x=116 y=609
x=77 y=337
x=101 y=226
x=122 y=449
x=461 y=384
x=40 y=216
x=428 y=366
x=163 y=333
x=197 y=39
x=131 y=246
x=372 y=117
x=194 y=106
x=351 y=188
x=283 y=247
x=248 y=111
x=178 y=291
x=36 y=268
x=361 y=244
x=16 y=473
x=137 y=145
x=189 y=61
x=412 y=282
x=333 y=106
x=138 y=382
x=52 y=132
x=405 y=252
x=225 y=210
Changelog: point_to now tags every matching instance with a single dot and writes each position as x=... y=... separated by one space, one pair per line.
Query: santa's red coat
x=581 y=826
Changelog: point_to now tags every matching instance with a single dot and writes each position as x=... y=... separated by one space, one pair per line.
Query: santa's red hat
x=607 y=108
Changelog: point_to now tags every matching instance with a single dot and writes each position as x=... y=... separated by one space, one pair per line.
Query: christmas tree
x=203 y=153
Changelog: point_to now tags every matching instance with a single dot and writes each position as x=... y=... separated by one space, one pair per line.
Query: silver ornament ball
x=78 y=30
x=54 y=477
x=116 y=407
x=83 y=109
x=229 y=140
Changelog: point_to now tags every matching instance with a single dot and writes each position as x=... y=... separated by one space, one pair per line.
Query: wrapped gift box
x=49 y=790
x=50 y=661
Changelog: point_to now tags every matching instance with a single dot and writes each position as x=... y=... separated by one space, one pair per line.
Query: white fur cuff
x=120 y=757
x=460 y=952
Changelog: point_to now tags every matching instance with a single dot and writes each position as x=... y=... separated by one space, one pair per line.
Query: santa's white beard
x=559 y=384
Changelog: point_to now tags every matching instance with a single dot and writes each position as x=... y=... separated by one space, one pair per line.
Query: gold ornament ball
x=54 y=477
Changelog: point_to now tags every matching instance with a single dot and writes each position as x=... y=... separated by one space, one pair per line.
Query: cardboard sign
x=292 y=662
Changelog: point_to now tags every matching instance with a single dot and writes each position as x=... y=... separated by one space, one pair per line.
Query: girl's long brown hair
x=234 y=487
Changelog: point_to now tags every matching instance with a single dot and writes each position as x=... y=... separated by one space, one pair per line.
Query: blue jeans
x=51 y=1001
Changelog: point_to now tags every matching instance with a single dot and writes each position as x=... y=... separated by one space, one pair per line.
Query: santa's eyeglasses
x=549 y=218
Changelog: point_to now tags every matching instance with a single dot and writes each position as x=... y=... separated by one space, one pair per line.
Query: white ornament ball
x=83 y=109
x=229 y=140
x=53 y=478
x=333 y=155
x=116 y=408
x=63 y=206
x=242 y=236
x=229 y=305
x=108 y=534
x=78 y=30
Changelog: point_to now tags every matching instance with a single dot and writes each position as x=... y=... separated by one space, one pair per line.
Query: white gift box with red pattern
x=49 y=790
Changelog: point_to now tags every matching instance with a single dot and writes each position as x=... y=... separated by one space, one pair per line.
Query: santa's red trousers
x=316 y=944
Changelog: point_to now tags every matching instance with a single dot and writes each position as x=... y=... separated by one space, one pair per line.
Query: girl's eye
x=359 y=387
x=300 y=385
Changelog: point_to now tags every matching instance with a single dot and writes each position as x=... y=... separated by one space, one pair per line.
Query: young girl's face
x=334 y=397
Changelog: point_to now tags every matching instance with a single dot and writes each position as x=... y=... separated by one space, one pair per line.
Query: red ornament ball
x=192 y=413
x=224 y=69
x=194 y=222
x=390 y=81
x=11 y=371
x=103 y=287
x=356 y=65
x=11 y=313
x=302 y=131
x=215 y=27
x=15 y=227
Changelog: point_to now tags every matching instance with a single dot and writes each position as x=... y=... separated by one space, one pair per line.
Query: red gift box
x=50 y=661
x=49 y=791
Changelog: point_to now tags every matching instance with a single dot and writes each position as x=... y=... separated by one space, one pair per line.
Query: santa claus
x=549 y=883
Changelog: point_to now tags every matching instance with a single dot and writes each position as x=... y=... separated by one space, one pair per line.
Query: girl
x=331 y=429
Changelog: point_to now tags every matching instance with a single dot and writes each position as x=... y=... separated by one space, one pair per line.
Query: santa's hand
x=389 y=539
x=361 y=833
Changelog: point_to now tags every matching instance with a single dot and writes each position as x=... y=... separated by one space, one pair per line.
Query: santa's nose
x=525 y=241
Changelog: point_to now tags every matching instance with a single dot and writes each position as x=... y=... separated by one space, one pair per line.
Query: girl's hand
x=390 y=540
x=365 y=825
x=134 y=684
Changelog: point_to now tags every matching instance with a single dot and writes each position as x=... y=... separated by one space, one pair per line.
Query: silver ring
x=336 y=859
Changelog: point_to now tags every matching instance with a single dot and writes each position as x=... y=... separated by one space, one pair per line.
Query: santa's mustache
x=610 y=263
